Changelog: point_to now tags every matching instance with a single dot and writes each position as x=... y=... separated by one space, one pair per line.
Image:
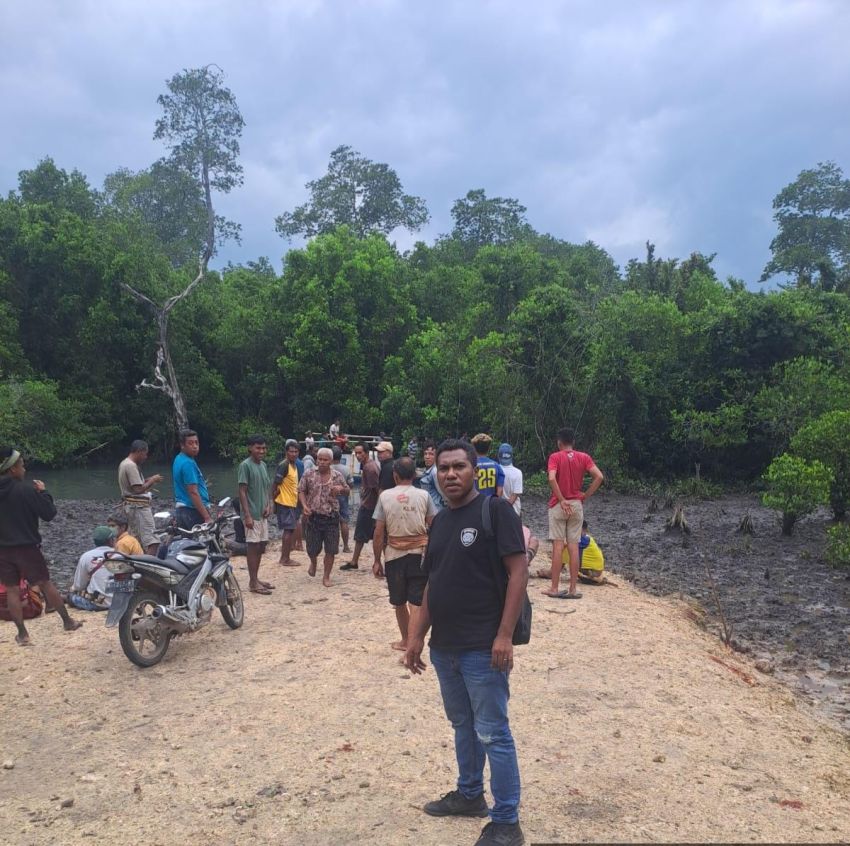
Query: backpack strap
x=490 y=537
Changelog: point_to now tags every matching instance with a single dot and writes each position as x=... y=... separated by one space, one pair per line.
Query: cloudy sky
x=675 y=121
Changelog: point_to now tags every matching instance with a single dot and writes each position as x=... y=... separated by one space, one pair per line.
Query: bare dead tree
x=201 y=124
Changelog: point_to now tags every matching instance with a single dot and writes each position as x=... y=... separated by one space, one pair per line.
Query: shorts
x=364 y=529
x=287 y=517
x=141 y=525
x=258 y=533
x=560 y=528
x=322 y=530
x=22 y=562
x=406 y=579
x=344 y=509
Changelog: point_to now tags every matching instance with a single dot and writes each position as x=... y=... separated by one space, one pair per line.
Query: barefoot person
x=319 y=491
x=285 y=498
x=471 y=641
x=402 y=517
x=364 y=528
x=255 y=507
x=566 y=469
x=22 y=505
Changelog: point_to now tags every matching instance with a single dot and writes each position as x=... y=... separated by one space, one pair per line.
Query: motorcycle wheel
x=144 y=640
x=234 y=611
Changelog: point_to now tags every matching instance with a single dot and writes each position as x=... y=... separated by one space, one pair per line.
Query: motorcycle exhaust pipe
x=160 y=612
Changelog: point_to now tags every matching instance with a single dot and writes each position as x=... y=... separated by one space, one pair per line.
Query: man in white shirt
x=512 y=490
x=88 y=590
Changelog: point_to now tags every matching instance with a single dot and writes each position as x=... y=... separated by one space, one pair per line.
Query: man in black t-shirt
x=471 y=648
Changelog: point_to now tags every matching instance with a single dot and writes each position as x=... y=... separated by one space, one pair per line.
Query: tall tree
x=481 y=221
x=364 y=195
x=201 y=125
x=813 y=243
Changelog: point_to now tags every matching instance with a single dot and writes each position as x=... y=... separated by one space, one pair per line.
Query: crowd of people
x=448 y=538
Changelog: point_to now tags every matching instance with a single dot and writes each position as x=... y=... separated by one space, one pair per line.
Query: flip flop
x=562 y=595
x=350 y=566
x=267 y=585
x=261 y=590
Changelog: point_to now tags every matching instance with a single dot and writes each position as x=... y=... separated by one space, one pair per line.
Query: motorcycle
x=155 y=599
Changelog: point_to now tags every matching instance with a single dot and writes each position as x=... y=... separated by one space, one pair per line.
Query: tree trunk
x=697 y=468
x=788 y=521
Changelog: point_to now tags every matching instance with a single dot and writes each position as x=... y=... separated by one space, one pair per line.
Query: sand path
x=302 y=728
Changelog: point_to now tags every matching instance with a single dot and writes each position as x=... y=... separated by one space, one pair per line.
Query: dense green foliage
x=838 y=545
x=663 y=369
x=796 y=487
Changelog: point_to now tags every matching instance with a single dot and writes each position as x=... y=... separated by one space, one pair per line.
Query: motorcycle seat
x=170 y=563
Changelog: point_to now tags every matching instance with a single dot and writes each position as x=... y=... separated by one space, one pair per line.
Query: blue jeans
x=475 y=696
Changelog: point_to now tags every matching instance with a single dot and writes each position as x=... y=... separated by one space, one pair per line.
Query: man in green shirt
x=255 y=502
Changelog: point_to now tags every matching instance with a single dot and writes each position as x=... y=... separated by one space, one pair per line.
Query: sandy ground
x=632 y=724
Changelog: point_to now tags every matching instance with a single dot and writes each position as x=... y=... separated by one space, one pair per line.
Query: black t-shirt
x=385 y=479
x=463 y=598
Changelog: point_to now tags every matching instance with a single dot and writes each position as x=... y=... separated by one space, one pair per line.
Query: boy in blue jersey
x=489 y=478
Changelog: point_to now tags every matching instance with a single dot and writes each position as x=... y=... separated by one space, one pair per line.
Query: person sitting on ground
x=89 y=591
x=22 y=505
x=591 y=560
x=125 y=543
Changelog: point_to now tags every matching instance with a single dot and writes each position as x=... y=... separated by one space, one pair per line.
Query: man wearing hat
x=22 y=505
x=490 y=478
x=512 y=490
x=88 y=590
x=384 y=453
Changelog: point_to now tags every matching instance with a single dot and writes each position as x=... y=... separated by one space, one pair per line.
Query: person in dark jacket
x=22 y=505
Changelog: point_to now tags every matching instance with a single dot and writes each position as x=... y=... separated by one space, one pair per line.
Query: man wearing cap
x=285 y=496
x=512 y=490
x=136 y=497
x=21 y=507
x=89 y=589
x=489 y=478
x=384 y=452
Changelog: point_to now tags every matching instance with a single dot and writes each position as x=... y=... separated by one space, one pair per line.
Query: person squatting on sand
x=402 y=518
x=319 y=491
x=22 y=505
x=471 y=642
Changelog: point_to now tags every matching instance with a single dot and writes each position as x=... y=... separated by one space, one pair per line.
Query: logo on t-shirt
x=468 y=536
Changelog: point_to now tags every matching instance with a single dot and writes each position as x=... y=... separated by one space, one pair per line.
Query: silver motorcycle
x=155 y=599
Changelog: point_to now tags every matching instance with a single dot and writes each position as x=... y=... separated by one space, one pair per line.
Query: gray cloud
x=673 y=122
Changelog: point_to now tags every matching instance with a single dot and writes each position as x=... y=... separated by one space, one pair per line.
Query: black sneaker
x=455 y=804
x=350 y=566
x=501 y=834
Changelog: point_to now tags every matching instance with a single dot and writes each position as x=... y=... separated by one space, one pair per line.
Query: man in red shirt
x=566 y=470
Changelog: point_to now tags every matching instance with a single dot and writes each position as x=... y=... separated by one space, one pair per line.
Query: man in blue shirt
x=190 y=487
x=490 y=478
x=428 y=480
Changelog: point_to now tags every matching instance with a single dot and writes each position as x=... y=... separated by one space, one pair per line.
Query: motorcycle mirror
x=162 y=515
x=224 y=502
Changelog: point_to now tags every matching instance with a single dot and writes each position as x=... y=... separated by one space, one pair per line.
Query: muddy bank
x=786 y=607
